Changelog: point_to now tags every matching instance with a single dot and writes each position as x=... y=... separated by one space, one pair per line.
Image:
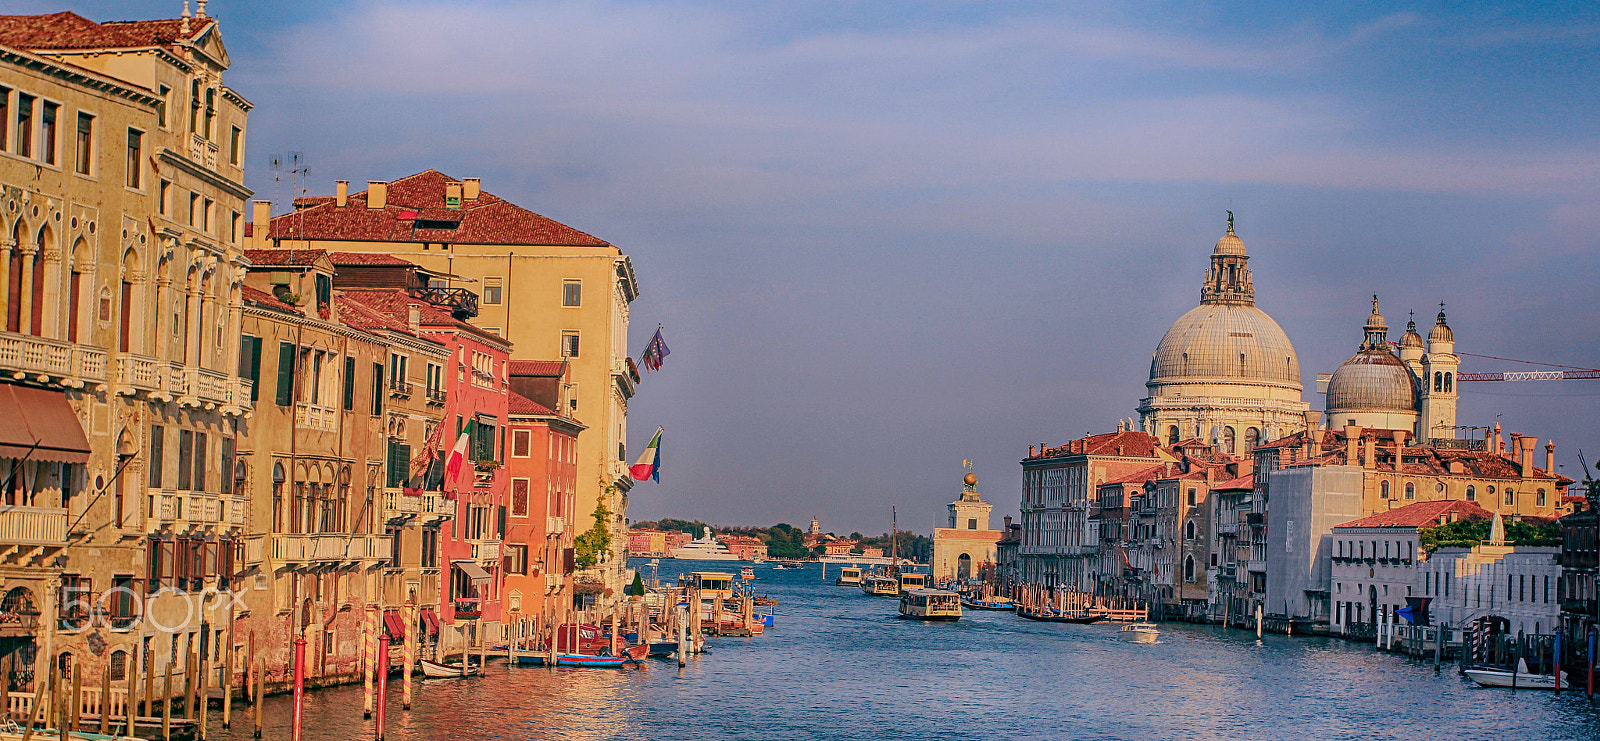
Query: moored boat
x=991 y=603
x=1521 y=679
x=435 y=670
x=1061 y=617
x=1140 y=633
x=706 y=548
x=930 y=604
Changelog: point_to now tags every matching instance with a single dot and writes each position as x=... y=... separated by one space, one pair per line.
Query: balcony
x=325 y=548
x=467 y=609
x=436 y=396
x=187 y=512
x=462 y=303
x=41 y=530
x=61 y=361
x=401 y=389
x=399 y=507
x=555 y=525
x=138 y=373
x=1256 y=566
x=196 y=386
x=1228 y=528
x=315 y=417
x=626 y=376
x=435 y=508
x=486 y=551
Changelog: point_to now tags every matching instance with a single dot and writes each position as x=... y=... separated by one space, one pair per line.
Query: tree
x=636 y=589
x=593 y=543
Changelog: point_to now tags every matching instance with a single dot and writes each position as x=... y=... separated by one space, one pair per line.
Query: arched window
x=14 y=279
x=964 y=566
x=1172 y=435
x=1411 y=490
x=119 y=666
x=277 y=497
x=1188 y=530
x=1188 y=568
x=1383 y=490
x=1449 y=379
x=1252 y=438
x=36 y=289
x=1472 y=493
x=1438 y=381
x=1540 y=500
x=1228 y=440
x=1511 y=497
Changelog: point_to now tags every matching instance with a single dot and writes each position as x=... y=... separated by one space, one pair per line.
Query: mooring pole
x=299 y=686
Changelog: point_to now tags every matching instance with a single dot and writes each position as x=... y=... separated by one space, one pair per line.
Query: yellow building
x=967 y=546
x=121 y=191
x=552 y=290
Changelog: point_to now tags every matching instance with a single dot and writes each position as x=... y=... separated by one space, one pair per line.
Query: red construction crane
x=1572 y=373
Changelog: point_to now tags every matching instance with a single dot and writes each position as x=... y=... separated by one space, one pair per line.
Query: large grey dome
x=1373 y=380
x=1226 y=342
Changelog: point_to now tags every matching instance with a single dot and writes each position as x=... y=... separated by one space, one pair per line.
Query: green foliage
x=1465 y=533
x=593 y=543
x=636 y=589
x=911 y=545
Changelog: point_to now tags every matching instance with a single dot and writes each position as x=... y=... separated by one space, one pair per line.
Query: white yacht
x=705 y=548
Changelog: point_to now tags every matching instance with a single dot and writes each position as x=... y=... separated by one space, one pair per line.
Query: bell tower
x=969 y=511
x=1440 y=368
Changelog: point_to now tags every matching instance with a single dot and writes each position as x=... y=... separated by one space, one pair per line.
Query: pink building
x=745 y=547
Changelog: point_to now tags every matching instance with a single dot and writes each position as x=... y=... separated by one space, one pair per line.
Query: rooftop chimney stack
x=377 y=194
x=261 y=222
x=341 y=193
x=1550 y=457
x=414 y=321
x=1525 y=454
x=470 y=188
x=1352 y=438
x=452 y=195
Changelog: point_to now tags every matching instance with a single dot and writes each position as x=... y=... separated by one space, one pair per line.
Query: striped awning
x=40 y=425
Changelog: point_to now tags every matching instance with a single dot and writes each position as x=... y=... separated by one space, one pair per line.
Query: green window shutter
x=286 y=352
x=255 y=368
x=502 y=530
x=157 y=443
x=349 y=384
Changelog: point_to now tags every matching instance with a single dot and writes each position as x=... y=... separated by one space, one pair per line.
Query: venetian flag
x=458 y=454
x=649 y=465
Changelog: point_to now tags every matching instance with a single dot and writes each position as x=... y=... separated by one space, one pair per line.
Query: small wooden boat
x=930 y=604
x=993 y=603
x=1521 y=679
x=849 y=576
x=435 y=670
x=1140 y=633
x=1062 y=617
x=630 y=655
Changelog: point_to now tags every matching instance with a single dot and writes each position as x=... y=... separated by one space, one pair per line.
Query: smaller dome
x=1230 y=244
x=1411 y=338
x=1373 y=380
x=1441 y=331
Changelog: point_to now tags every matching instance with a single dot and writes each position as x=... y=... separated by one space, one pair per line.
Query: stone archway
x=964 y=566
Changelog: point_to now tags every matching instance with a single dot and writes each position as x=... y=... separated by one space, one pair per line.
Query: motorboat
x=881 y=586
x=849 y=576
x=989 y=603
x=630 y=655
x=436 y=670
x=747 y=573
x=913 y=581
x=705 y=548
x=930 y=604
x=1140 y=633
x=1520 y=679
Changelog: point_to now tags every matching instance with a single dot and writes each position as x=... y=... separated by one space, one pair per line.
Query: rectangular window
x=569 y=344
x=200 y=468
x=519 y=497
x=5 y=115
x=430 y=548
x=207 y=215
x=194 y=209
x=483 y=438
x=185 y=458
x=349 y=384
x=85 y=140
x=25 y=124
x=286 y=353
x=377 y=389
x=572 y=293
x=516 y=560
x=135 y=158
x=250 y=363
x=47 y=131
x=399 y=464
x=491 y=291
x=157 y=443
x=163 y=197
x=165 y=94
x=521 y=443
x=226 y=469
x=233 y=227
x=235 y=151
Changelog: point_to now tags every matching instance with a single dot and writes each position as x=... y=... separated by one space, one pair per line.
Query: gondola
x=435 y=670
x=1065 y=617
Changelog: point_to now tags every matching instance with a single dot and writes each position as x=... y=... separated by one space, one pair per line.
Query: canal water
x=839 y=666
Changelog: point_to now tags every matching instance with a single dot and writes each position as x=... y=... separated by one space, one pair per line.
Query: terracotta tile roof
x=366 y=258
x=1140 y=476
x=1422 y=514
x=548 y=368
x=276 y=258
x=397 y=305
x=265 y=300
x=1424 y=460
x=1247 y=481
x=419 y=199
x=519 y=404
x=356 y=314
x=1130 y=443
x=68 y=30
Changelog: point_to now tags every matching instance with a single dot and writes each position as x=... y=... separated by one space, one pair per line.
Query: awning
x=473 y=571
x=30 y=415
x=394 y=625
x=432 y=620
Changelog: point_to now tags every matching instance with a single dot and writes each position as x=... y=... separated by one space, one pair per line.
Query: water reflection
x=839 y=666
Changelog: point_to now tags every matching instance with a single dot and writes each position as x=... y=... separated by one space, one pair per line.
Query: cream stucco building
x=1225 y=372
x=965 y=548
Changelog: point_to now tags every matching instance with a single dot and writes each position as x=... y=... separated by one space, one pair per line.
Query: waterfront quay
x=838 y=665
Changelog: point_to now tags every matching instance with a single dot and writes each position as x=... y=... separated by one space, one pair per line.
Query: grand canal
x=839 y=666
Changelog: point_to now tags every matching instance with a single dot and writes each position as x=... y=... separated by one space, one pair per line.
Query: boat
x=1140 y=633
x=435 y=670
x=1521 y=679
x=913 y=581
x=747 y=573
x=710 y=583
x=991 y=603
x=881 y=586
x=705 y=548
x=849 y=576
x=930 y=604
x=630 y=655
x=1062 y=617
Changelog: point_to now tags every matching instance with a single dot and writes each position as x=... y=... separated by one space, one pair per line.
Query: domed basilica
x=1226 y=373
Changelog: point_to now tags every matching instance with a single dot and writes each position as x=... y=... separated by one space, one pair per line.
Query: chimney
x=1030 y=451
x=377 y=194
x=1550 y=457
x=1494 y=439
x=1007 y=518
x=1313 y=418
x=470 y=188
x=261 y=222
x=1525 y=446
x=341 y=193
x=1352 y=438
x=414 y=320
x=1368 y=456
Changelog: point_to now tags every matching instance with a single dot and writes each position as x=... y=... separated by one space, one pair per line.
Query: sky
x=884 y=237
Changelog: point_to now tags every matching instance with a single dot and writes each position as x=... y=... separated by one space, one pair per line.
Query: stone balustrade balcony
x=436 y=508
x=74 y=365
x=316 y=417
x=175 y=511
x=39 y=531
x=399 y=507
x=486 y=551
x=328 y=548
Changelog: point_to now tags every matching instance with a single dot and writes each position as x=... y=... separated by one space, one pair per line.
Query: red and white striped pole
x=299 y=685
x=383 y=682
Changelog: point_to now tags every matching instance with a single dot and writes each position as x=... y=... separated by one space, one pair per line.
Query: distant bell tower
x=970 y=512
x=1440 y=367
x=816 y=527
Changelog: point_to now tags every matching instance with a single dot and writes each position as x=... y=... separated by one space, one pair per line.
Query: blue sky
x=884 y=237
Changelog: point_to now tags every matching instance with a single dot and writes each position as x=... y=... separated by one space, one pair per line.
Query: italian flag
x=458 y=454
x=649 y=465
